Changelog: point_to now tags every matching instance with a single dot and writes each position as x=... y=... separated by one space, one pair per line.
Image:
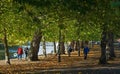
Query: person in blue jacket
x=69 y=50
x=85 y=51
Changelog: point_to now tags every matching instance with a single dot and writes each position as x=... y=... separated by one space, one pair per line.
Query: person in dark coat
x=85 y=51
x=69 y=50
x=26 y=52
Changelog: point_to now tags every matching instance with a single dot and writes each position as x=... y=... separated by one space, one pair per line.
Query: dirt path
x=14 y=61
x=94 y=70
x=68 y=64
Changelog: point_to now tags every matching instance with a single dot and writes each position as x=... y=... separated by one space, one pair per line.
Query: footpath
x=68 y=65
x=102 y=70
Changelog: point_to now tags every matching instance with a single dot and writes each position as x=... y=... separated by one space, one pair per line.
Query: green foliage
x=115 y=4
x=78 y=19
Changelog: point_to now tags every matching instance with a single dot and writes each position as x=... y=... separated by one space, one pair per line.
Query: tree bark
x=7 y=59
x=75 y=46
x=33 y=53
x=44 y=47
x=78 y=47
x=62 y=46
x=82 y=44
x=72 y=45
x=102 y=59
x=54 y=47
x=59 y=47
x=110 y=43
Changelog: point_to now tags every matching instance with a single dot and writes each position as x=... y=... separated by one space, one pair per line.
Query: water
x=2 y=55
x=13 y=50
x=49 y=48
x=13 y=53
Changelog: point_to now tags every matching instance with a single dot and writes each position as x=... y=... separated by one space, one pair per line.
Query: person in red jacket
x=19 y=52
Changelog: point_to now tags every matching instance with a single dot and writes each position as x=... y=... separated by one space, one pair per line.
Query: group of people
x=21 y=51
x=85 y=50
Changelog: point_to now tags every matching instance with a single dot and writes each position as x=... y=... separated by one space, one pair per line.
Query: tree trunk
x=72 y=45
x=75 y=46
x=54 y=47
x=82 y=44
x=86 y=42
x=78 y=47
x=44 y=47
x=7 y=59
x=59 y=47
x=110 y=43
x=102 y=59
x=62 y=46
x=33 y=53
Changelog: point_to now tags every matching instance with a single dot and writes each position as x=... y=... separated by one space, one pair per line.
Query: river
x=13 y=50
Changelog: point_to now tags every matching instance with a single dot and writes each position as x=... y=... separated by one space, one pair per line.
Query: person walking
x=85 y=51
x=26 y=52
x=69 y=50
x=20 y=52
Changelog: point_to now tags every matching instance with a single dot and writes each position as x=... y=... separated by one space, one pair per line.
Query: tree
x=6 y=48
x=102 y=59
x=33 y=53
x=64 y=20
x=4 y=8
x=106 y=18
x=111 y=45
x=44 y=47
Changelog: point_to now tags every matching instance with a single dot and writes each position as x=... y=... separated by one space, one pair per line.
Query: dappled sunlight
x=51 y=62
